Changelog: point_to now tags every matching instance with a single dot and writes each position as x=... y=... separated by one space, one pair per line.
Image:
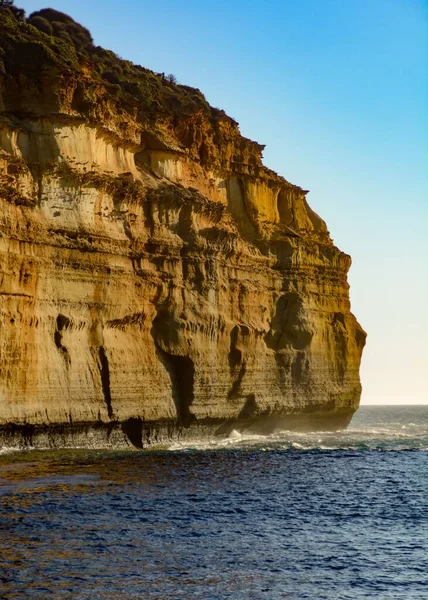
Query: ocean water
x=330 y=515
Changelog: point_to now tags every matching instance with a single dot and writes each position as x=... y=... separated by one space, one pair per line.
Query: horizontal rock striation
x=156 y=279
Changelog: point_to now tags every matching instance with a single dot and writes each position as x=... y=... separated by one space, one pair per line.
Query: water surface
x=334 y=515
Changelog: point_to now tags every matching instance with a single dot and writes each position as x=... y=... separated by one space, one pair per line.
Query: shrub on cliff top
x=63 y=26
x=52 y=15
x=41 y=24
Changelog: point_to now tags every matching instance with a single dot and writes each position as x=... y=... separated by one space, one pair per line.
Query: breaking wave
x=373 y=428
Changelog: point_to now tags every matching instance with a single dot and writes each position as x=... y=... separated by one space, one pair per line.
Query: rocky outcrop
x=156 y=279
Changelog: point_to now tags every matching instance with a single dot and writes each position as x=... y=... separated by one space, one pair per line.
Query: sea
x=337 y=515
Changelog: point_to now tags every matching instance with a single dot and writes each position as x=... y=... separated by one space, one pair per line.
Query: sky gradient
x=337 y=90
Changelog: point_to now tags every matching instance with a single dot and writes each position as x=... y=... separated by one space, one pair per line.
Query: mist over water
x=334 y=515
x=372 y=428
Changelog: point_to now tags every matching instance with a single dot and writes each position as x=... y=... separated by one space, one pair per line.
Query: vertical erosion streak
x=105 y=379
x=62 y=323
x=182 y=374
x=237 y=362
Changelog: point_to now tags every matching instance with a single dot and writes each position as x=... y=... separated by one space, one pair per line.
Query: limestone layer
x=154 y=275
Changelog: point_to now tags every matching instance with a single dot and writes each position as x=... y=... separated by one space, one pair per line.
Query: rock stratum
x=156 y=280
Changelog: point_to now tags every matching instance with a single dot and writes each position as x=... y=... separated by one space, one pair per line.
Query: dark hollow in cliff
x=182 y=373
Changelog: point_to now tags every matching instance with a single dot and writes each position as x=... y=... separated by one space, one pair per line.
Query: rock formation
x=156 y=279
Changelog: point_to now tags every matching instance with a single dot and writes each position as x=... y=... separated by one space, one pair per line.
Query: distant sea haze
x=327 y=515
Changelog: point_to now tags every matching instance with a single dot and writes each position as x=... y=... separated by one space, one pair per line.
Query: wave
x=4 y=450
x=360 y=438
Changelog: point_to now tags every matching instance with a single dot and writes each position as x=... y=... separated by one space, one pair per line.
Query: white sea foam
x=384 y=435
x=10 y=450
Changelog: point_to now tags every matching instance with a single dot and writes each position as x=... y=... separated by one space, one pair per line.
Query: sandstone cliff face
x=155 y=277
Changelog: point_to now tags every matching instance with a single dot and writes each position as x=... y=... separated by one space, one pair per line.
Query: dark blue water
x=333 y=515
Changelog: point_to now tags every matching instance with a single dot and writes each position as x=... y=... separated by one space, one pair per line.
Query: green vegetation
x=49 y=38
x=60 y=25
x=18 y=13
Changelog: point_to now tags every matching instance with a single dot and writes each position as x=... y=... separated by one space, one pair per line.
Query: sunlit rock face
x=156 y=280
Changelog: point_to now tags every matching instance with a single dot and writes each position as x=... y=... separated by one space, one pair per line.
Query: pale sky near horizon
x=337 y=90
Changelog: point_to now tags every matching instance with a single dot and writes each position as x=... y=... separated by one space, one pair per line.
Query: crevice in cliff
x=235 y=358
x=298 y=368
x=105 y=379
x=62 y=322
x=181 y=371
x=249 y=408
x=237 y=362
x=133 y=429
x=236 y=386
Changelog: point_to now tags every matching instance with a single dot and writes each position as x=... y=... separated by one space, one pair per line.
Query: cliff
x=156 y=279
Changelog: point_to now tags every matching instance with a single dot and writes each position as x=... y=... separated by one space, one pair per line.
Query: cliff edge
x=156 y=279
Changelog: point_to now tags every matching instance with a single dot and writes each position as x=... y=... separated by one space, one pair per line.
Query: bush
x=171 y=78
x=52 y=15
x=41 y=24
x=64 y=27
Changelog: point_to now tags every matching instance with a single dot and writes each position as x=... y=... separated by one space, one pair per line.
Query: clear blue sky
x=337 y=90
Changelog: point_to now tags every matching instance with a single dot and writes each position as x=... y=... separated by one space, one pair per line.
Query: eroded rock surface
x=155 y=277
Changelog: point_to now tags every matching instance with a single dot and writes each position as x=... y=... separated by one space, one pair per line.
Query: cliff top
x=50 y=65
x=49 y=38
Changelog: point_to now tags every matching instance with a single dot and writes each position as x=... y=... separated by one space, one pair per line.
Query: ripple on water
x=327 y=515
